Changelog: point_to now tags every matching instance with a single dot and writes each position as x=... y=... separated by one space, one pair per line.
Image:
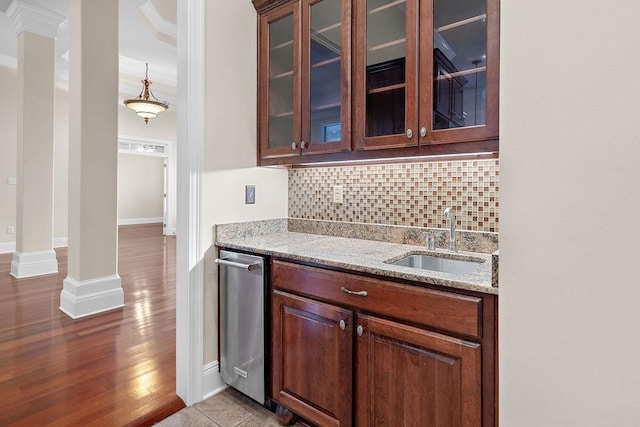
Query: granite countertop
x=357 y=255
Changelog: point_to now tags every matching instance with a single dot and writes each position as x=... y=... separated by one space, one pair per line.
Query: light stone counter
x=273 y=238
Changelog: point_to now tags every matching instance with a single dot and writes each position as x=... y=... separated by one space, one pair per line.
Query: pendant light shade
x=146 y=105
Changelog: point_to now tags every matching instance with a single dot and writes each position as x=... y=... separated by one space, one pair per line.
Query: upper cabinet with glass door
x=386 y=85
x=426 y=73
x=305 y=85
x=421 y=78
x=463 y=68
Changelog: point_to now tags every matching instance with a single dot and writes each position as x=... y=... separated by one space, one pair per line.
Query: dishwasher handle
x=248 y=267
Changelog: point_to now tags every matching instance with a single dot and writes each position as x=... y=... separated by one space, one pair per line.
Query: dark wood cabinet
x=448 y=87
x=312 y=353
x=410 y=376
x=421 y=78
x=304 y=104
x=388 y=354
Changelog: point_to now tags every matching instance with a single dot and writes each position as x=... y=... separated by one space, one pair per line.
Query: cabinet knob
x=304 y=145
x=343 y=325
x=409 y=133
x=294 y=146
x=359 y=330
x=423 y=132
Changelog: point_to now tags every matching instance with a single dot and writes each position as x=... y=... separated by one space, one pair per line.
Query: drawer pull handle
x=343 y=325
x=359 y=293
x=359 y=330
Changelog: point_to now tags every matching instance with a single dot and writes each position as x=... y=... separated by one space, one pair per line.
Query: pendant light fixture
x=146 y=105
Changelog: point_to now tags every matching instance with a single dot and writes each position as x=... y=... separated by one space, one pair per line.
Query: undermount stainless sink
x=439 y=263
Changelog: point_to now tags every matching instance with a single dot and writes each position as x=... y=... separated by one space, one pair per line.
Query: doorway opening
x=142 y=180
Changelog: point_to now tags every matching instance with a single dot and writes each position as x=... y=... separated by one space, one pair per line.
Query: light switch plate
x=249 y=194
x=11 y=229
x=338 y=194
x=12 y=180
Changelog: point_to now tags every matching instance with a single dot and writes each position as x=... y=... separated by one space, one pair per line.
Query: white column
x=189 y=256
x=92 y=284
x=35 y=29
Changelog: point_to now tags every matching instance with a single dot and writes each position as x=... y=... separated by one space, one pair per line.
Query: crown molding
x=135 y=68
x=27 y=16
x=166 y=31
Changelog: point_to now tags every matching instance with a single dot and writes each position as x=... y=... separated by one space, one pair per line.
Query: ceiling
x=147 y=33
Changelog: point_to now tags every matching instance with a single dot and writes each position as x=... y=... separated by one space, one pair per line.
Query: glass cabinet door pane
x=281 y=82
x=385 y=67
x=325 y=52
x=459 y=63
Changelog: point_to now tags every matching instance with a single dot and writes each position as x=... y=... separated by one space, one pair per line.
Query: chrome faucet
x=448 y=213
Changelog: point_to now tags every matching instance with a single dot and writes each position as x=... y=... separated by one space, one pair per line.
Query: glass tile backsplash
x=409 y=194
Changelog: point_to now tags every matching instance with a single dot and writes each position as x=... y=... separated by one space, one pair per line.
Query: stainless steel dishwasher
x=242 y=318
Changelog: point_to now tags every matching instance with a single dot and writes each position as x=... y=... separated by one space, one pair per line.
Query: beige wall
x=140 y=186
x=163 y=128
x=569 y=214
x=230 y=152
x=60 y=164
x=8 y=151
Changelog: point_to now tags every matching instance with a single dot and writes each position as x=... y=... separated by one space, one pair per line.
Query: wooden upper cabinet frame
x=463 y=141
x=264 y=5
x=469 y=133
x=265 y=20
x=344 y=144
x=360 y=140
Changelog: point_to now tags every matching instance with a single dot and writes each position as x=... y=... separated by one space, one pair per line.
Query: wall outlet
x=12 y=180
x=338 y=195
x=249 y=194
x=11 y=229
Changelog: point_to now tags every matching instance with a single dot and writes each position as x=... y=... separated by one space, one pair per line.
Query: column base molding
x=84 y=298
x=31 y=264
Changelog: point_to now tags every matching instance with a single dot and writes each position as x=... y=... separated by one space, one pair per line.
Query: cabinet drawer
x=451 y=312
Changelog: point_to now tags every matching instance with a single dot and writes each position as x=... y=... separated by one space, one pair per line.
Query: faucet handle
x=430 y=241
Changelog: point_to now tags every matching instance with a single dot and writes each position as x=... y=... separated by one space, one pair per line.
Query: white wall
x=140 y=187
x=230 y=152
x=570 y=214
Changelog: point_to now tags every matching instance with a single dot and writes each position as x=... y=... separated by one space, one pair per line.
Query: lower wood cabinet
x=341 y=361
x=312 y=359
x=411 y=377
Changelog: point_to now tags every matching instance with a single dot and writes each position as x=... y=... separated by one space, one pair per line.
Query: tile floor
x=226 y=409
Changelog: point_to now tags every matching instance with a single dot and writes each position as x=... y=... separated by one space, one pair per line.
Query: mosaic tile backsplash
x=409 y=194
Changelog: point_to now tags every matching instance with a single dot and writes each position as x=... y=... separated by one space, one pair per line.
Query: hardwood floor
x=115 y=368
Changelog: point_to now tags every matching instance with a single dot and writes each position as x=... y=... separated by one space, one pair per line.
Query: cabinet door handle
x=294 y=146
x=343 y=325
x=304 y=145
x=423 y=132
x=409 y=133
x=359 y=293
x=359 y=330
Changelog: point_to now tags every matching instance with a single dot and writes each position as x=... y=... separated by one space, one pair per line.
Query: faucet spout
x=448 y=213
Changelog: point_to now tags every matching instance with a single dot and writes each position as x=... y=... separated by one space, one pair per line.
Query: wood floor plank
x=115 y=368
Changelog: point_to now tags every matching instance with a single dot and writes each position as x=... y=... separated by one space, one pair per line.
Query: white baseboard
x=31 y=264
x=87 y=297
x=7 y=247
x=133 y=221
x=212 y=383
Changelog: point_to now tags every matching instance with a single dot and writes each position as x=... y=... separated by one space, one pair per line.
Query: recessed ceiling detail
x=164 y=29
